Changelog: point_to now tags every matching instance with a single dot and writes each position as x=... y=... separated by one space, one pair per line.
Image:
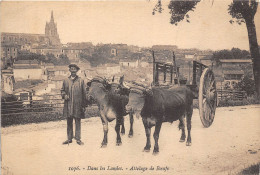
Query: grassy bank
x=26 y=118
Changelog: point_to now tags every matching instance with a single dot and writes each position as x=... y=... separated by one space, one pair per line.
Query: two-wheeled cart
x=203 y=85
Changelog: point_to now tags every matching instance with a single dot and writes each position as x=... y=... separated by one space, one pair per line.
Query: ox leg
x=131 y=132
x=123 y=126
x=189 y=116
x=156 y=137
x=117 y=128
x=182 y=127
x=148 y=134
x=105 y=129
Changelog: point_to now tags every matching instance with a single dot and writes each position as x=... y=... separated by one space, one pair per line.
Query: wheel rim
x=207 y=97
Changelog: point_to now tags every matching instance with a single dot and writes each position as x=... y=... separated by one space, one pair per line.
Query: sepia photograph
x=127 y=87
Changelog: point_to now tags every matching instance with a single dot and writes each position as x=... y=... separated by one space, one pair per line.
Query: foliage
x=246 y=84
x=25 y=118
x=242 y=10
x=49 y=58
x=178 y=9
x=96 y=59
x=234 y=53
x=25 y=55
x=62 y=60
x=230 y=102
x=9 y=102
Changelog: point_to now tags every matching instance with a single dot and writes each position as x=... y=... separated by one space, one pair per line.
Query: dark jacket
x=76 y=91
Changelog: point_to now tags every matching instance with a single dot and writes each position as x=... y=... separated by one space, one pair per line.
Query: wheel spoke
x=210 y=106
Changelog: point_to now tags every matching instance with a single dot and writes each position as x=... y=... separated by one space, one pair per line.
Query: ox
x=111 y=104
x=159 y=105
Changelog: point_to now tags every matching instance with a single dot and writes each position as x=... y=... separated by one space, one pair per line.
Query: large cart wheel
x=207 y=97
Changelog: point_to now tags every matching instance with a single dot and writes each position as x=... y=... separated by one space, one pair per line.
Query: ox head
x=119 y=88
x=137 y=97
x=97 y=89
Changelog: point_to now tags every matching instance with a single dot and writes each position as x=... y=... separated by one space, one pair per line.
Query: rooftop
x=59 y=68
x=239 y=72
x=29 y=62
x=235 y=61
x=27 y=67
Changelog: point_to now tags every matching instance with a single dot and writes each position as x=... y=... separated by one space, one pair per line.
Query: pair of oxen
x=155 y=105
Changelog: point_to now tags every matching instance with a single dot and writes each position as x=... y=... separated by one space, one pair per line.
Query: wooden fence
x=231 y=94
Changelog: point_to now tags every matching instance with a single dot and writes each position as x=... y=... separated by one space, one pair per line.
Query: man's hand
x=84 y=109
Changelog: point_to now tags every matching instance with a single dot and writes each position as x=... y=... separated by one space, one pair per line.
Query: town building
x=8 y=54
x=226 y=63
x=27 y=69
x=164 y=47
x=7 y=81
x=232 y=77
x=129 y=63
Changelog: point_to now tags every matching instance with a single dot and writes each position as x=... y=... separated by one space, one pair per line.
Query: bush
x=248 y=101
x=246 y=84
x=228 y=102
x=10 y=103
x=29 y=117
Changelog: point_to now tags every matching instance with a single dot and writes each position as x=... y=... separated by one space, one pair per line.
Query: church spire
x=51 y=31
x=52 y=18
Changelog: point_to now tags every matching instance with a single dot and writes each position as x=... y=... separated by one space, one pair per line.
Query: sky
x=129 y=22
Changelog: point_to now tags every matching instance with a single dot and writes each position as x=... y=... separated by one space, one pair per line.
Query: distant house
x=73 y=50
x=57 y=71
x=24 y=94
x=45 y=67
x=129 y=63
x=72 y=53
x=27 y=94
x=190 y=56
x=225 y=63
x=164 y=47
x=26 y=47
x=8 y=54
x=232 y=77
x=7 y=81
x=27 y=69
x=44 y=50
x=119 y=49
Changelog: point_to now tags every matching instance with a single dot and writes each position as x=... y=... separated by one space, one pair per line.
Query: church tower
x=51 y=31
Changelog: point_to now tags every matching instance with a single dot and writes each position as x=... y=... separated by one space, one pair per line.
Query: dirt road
x=229 y=145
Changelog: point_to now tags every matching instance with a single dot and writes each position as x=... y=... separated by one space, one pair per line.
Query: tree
x=242 y=10
x=25 y=55
x=247 y=85
x=234 y=53
x=64 y=60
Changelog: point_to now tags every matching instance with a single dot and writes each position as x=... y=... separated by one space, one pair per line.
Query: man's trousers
x=70 y=128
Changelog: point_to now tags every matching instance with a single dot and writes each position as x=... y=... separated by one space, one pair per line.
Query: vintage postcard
x=130 y=87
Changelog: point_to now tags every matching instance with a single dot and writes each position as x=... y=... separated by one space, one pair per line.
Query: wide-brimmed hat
x=74 y=65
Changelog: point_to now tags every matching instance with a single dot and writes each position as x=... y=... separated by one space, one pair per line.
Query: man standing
x=74 y=94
